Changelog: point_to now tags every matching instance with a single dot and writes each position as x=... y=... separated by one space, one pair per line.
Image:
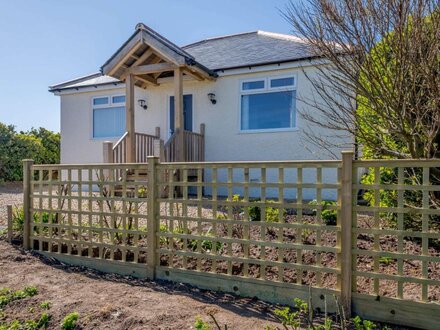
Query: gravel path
x=10 y=194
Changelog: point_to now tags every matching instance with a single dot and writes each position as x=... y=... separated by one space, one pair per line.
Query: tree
x=380 y=82
x=41 y=145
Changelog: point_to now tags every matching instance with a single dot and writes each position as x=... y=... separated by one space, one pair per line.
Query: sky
x=44 y=42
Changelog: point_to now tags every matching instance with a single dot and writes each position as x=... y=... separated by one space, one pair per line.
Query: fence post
x=27 y=201
x=108 y=152
x=152 y=213
x=9 y=209
x=346 y=230
x=159 y=149
x=157 y=132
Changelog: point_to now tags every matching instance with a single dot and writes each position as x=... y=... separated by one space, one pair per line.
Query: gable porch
x=141 y=62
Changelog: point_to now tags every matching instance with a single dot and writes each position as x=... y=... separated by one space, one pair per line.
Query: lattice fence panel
x=95 y=211
x=397 y=230
x=251 y=220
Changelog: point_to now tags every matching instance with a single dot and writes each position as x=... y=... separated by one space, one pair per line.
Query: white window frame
x=265 y=90
x=110 y=104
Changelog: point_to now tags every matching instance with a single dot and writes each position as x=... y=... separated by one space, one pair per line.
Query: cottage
x=227 y=98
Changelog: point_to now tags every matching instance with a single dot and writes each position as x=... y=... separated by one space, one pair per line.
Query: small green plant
x=45 y=305
x=360 y=324
x=207 y=245
x=305 y=235
x=386 y=260
x=201 y=325
x=272 y=213
x=7 y=295
x=69 y=321
x=329 y=216
x=40 y=323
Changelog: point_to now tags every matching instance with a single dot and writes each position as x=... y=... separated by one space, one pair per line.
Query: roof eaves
x=59 y=89
x=305 y=58
x=76 y=80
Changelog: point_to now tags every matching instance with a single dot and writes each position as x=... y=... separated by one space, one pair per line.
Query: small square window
x=282 y=82
x=253 y=85
x=118 y=99
x=100 y=101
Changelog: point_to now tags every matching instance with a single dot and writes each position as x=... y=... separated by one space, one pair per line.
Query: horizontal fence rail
x=366 y=232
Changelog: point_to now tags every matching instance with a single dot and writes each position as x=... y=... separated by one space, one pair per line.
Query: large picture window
x=108 y=116
x=268 y=104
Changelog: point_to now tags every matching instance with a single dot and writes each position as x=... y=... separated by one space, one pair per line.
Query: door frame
x=169 y=110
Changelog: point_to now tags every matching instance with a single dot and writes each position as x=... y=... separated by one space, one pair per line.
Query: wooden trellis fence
x=249 y=228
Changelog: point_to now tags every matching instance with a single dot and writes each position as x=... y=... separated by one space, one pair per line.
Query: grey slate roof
x=227 y=52
x=94 y=79
x=248 y=49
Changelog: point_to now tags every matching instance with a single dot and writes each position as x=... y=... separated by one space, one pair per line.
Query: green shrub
x=18 y=218
x=40 y=144
x=272 y=213
x=69 y=321
x=329 y=216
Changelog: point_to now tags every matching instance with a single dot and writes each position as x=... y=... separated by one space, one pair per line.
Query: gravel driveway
x=10 y=194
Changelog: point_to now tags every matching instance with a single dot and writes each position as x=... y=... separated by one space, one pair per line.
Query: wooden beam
x=139 y=61
x=151 y=68
x=178 y=114
x=123 y=56
x=130 y=121
x=193 y=74
x=147 y=80
x=163 y=50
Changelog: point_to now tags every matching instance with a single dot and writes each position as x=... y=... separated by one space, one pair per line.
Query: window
x=270 y=107
x=108 y=116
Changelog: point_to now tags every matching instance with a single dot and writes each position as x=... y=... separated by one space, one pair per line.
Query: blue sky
x=49 y=41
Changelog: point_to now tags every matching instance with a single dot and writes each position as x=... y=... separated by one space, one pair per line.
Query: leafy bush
x=272 y=213
x=18 y=218
x=41 y=145
x=69 y=322
x=330 y=217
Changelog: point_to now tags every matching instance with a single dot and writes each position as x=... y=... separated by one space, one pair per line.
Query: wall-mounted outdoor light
x=143 y=104
x=211 y=97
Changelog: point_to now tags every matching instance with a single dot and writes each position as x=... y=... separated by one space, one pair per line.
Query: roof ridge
x=281 y=36
x=219 y=37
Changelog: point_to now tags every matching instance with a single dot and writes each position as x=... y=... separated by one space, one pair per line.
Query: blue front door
x=187 y=113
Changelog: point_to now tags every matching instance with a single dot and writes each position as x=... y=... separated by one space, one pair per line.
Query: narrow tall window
x=108 y=116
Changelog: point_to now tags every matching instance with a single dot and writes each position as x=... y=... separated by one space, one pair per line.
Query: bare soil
x=106 y=301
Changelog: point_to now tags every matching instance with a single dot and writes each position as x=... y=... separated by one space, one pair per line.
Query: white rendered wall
x=224 y=141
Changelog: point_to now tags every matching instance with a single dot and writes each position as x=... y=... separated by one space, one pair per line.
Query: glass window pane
x=118 y=99
x=100 y=100
x=109 y=122
x=268 y=110
x=281 y=82
x=253 y=85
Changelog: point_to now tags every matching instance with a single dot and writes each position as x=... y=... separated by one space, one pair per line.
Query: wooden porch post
x=178 y=114
x=129 y=121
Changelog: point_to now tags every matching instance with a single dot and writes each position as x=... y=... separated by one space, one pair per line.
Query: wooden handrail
x=144 y=147
x=194 y=144
x=170 y=147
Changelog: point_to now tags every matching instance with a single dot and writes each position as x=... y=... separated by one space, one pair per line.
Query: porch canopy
x=140 y=61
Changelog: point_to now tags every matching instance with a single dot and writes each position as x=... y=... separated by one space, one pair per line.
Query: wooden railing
x=170 y=147
x=120 y=150
x=193 y=143
x=144 y=147
x=194 y=146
